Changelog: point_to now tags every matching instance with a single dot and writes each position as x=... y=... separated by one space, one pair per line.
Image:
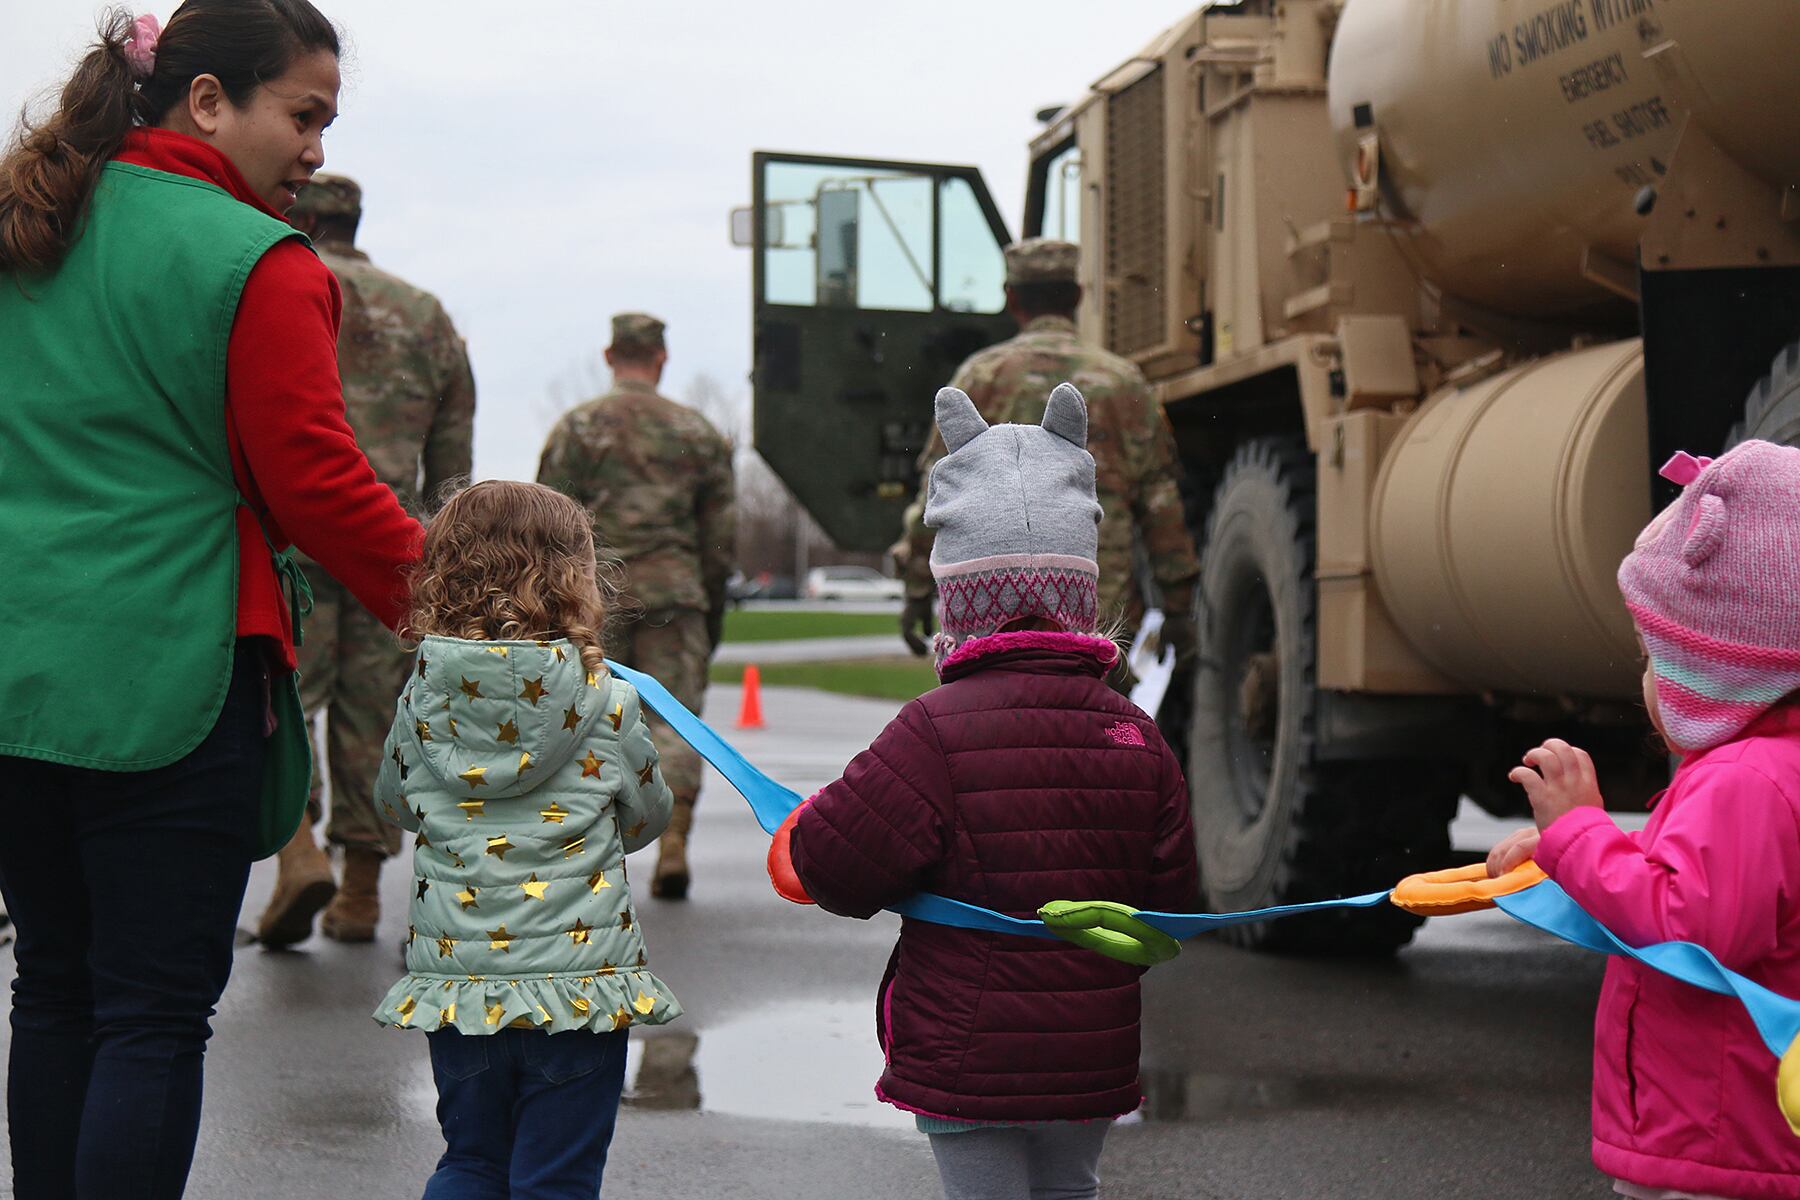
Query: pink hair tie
x=140 y=47
x=1684 y=468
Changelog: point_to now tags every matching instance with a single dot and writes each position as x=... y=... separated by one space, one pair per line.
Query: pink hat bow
x=1684 y=468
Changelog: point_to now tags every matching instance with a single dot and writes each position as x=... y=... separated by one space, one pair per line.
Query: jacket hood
x=493 y=718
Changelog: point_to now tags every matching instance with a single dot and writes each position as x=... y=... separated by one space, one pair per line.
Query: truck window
x=971 y=266
x=1053 y=194
x=847 y=237
x=1062 y=195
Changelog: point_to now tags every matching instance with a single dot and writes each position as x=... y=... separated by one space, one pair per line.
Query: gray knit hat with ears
x=1017 y=522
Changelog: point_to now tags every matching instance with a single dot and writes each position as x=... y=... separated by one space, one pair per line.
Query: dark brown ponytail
x=50 y=170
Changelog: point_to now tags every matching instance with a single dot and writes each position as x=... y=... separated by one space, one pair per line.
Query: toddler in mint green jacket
x=527 y=773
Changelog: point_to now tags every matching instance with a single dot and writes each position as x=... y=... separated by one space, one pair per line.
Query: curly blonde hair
x=510 y=561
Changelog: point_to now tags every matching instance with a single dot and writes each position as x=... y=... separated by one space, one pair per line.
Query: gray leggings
x=1058 y=1160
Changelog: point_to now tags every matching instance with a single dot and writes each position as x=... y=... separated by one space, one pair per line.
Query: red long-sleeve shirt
x=295 y=458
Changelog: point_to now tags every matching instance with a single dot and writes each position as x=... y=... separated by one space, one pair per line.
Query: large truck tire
x=1272 y=824
x=1772 y=410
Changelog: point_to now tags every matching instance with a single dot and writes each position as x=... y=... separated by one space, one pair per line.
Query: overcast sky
x=541 y=164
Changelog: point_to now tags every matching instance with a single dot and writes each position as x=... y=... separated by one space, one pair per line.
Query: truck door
x=873 y=280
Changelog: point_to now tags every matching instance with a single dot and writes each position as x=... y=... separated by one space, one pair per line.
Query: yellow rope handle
x=1787 y=1086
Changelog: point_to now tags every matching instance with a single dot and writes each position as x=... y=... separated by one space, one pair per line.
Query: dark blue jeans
x=526 y=1115
x=125 y=889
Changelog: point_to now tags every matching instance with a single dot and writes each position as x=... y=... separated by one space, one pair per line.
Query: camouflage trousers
x=351 y=669
x=673 y=646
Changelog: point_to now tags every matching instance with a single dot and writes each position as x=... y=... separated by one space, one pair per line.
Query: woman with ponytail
x=170 y=414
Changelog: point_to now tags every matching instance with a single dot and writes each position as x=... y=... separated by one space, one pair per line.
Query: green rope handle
x=1109 y=928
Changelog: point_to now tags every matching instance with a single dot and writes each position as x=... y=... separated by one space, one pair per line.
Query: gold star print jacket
x=527 y=781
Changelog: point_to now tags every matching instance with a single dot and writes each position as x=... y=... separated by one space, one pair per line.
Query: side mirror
x=742 y=230
x=743 y=226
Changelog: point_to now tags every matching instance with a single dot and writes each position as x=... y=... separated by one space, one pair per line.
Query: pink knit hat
x=1714 y=587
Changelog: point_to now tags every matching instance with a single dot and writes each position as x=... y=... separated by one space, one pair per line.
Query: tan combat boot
x=353 y=916
x=672 y=877
x=303 y=886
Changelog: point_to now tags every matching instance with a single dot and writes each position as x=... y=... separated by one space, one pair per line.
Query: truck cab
x=873 y=280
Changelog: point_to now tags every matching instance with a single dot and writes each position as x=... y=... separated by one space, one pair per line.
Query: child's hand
x=1557 y=777
x=1512 y=850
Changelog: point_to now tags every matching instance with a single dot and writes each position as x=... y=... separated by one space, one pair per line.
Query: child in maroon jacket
x=1023 y=779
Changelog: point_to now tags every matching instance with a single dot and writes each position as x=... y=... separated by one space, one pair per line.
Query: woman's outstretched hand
x=1557 y=777
x=1512 y=850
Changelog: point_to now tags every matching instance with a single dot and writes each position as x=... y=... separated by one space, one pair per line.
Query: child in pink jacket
x=1684 y=1089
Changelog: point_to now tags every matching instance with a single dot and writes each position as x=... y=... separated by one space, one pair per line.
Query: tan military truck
x=1428 y=289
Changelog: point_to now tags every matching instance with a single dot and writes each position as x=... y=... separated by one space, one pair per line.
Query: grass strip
x=878 y=678
x=776 y=625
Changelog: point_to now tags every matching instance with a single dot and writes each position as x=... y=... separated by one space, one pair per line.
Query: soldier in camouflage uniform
x=1134 y=451
x=657 y=477
x=411 y=400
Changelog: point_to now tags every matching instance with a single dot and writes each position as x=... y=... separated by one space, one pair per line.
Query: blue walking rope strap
x=1544 y=906
x=1181 y=926
x=1547 y=907
x=771 y=802
x=768 y=800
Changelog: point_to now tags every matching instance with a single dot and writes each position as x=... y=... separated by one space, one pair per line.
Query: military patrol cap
x=329 y=196
x=1041 y=260
x=636 y=331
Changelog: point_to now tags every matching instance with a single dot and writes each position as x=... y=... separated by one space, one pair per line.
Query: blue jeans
x=527 y=1115
x=125 y=889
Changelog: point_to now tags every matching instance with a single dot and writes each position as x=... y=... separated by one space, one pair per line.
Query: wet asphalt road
x=1458 y=1068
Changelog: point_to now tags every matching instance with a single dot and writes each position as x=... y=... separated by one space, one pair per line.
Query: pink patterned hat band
x=1709 y=691
x=979 y=597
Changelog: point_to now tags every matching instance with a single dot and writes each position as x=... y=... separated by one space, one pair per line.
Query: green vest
x=118 y=533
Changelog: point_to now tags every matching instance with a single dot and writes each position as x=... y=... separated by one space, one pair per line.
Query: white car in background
x=852 y=583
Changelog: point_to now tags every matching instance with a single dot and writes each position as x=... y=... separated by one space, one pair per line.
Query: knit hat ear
x=1708 y=532
x=958 y=419
x=1066 y=415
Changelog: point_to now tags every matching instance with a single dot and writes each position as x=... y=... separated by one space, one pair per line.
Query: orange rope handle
x=1462 y=889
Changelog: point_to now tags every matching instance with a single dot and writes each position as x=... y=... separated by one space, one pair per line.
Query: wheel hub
x=1259 y=696
x=1253 y=666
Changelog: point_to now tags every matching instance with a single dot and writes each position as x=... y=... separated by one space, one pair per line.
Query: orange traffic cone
x=750 y=712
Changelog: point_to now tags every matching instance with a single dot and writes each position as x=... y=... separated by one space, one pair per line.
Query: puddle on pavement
x=807 y=1061
x=817 y=1063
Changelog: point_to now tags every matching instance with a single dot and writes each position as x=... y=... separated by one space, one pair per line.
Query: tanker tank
x=1517 y=140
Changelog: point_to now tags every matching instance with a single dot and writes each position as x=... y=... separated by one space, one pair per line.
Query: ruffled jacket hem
x=554 y=1003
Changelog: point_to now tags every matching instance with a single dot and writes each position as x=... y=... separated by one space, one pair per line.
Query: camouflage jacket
x=657 y=477
x=1134 y=460
x=408 y=390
